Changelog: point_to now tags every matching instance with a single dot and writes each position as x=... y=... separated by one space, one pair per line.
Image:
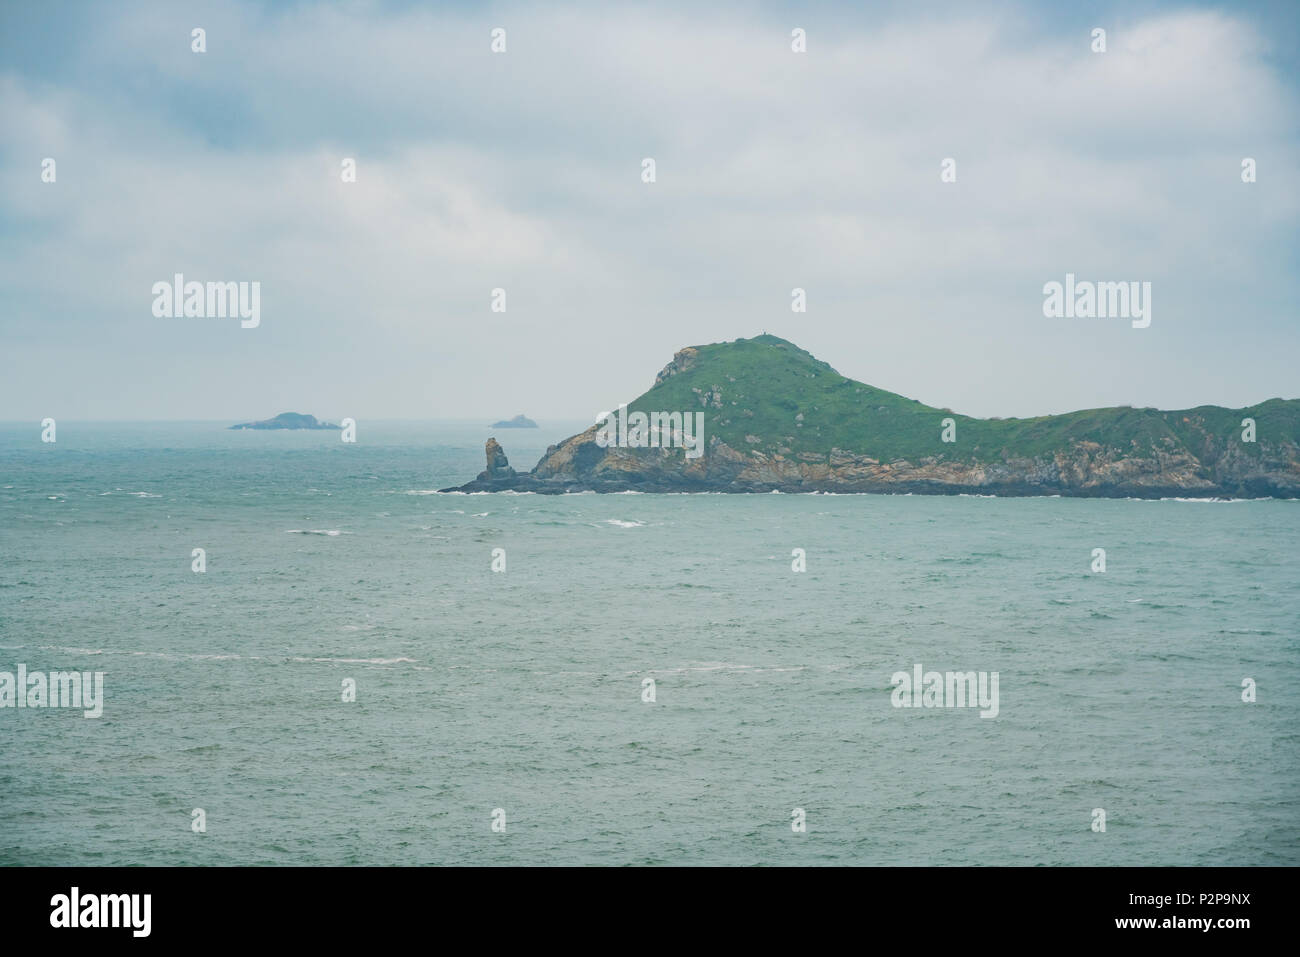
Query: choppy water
x=522 y=690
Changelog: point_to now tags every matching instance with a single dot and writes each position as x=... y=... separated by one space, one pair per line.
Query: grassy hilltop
x=757 y=389
x=778 y=419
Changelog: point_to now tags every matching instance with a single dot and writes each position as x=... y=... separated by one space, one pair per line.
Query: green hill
x=763 y=385
x=777 y=418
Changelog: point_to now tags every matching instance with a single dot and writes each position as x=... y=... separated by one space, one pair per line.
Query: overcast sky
x=522 y=170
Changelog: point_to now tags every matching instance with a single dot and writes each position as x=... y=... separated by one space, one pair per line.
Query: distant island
x=288 y=420
x=776 y=419
x=520 y=421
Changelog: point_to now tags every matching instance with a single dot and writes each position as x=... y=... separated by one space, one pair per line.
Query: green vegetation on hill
x=753 y=392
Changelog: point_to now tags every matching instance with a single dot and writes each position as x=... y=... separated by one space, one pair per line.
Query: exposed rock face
x=498 y=466
x=1122 y=452
x=579 y=464
x=683 y=360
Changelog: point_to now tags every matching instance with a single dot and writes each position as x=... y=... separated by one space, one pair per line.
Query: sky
x=522 y=171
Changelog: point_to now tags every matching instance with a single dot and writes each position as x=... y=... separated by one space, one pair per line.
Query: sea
x=629 y=679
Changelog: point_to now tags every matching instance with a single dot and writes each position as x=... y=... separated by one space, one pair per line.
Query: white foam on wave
x=725 y=666
x=1208 y=501
x=622 y=524
x=356 y=661
x=200 y=656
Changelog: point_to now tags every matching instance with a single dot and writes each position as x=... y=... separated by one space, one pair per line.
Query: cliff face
x=775 y=418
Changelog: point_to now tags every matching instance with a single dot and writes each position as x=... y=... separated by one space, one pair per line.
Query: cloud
x=521 y=171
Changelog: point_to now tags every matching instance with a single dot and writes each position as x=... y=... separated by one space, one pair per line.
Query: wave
x=356 y=661
x=1205 y=501
x=331 y=532
x=711 y=666
x=455 y=491
x=202 y=656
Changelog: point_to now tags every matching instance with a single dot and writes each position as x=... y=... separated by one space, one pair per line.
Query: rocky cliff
x=777 y=419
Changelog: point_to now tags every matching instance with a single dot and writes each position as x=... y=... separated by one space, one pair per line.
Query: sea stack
x=498 y=466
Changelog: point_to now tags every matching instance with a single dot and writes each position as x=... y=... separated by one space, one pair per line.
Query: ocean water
x=522 y=690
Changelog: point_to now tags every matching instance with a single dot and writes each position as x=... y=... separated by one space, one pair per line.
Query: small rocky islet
x=288 y=420
x=520 y=421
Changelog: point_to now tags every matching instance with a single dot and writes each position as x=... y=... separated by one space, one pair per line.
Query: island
x=288 y=420
x=763 y=415
x=520 y=421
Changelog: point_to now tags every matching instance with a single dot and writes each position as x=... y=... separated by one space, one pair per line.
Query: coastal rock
x=498 y=466
x=853 y=437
